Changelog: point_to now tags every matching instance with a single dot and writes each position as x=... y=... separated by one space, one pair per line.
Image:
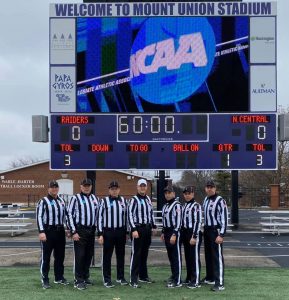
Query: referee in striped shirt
x=112 y=229
x=50 y=214
x=141 y=222
x=215 y=225
x=191 y=236
x=82 y=212
x=172 y=219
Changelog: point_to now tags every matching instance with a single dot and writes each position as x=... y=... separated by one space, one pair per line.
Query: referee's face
x=169 y=195
x=86 y=189
x=188 y=196
x=142 y=189
x=53 y=191
x=210 y=190
x=114 y=191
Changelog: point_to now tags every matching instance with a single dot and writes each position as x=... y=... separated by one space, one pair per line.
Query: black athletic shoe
x=193 y=286
x=45 y=284
x=207 y=281
x=186 y=282
x=146 y=280
x=122 y=281
x=134 y=285
x=173 y=285
x=108 y=284
x=61 y=281
x=88 y=282
x=217 y=288
x=80 y=285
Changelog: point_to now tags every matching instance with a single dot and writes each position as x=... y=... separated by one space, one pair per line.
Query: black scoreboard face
x=163 y=141
x=174 y=90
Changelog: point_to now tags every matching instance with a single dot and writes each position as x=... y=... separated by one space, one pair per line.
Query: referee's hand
x=100 y=240
x=173 y=239
x=135 y=234
x=42 y=237
x=76 y=237
x=219 y=240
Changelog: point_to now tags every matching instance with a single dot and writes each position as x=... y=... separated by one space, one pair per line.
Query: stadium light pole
x=235 y=199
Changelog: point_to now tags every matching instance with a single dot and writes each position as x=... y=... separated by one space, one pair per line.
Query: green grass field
x=258 y=283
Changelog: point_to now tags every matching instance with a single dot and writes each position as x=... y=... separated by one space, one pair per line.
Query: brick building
x=27 y=184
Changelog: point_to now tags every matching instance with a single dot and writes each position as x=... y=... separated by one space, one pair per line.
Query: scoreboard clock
x=163 y=141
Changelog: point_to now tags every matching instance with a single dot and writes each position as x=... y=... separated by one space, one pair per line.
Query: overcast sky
x=24 y=73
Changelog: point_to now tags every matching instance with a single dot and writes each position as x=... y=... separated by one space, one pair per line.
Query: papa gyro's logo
x=171 y=58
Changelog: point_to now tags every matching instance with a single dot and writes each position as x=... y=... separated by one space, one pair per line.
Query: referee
x=141 y=221
x=50 y=214
x=112 y=228
x=215 y=225
x=191 y=236
x=172 y=218
x=82 y=213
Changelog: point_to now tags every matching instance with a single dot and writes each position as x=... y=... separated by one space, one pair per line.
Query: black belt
x=54 y=227
x=143 y=225
x=169 y=229
x=211 y=227
x=112 y=229
x=79 y=226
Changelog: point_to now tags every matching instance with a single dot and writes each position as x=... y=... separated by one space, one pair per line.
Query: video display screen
x=162 y=64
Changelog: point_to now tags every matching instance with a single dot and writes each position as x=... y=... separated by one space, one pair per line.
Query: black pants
x=113 y=238
x=174 y=255
x=192 y=255
x=83 y=253
x=55 y=242
x=214 y=257
x=139 y=254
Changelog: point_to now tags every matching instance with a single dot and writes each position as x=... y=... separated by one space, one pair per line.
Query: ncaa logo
x=171 y=58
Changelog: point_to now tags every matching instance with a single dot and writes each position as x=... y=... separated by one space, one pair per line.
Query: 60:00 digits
x=155 y=124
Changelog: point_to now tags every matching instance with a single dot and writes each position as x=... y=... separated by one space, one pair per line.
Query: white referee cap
x=142 y=181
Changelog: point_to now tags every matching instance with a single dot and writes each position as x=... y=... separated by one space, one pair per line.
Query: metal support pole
x=92 y=175
x=161 y=184
x=235 y=198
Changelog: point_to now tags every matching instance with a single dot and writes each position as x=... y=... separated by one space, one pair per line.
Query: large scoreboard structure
x=163 y=85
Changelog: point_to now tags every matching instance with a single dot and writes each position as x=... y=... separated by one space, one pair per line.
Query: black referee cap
x=210 y=183
x=189 y=189
x=53 y=183
x=169 y=188
x=86 y=181
x=113 y=184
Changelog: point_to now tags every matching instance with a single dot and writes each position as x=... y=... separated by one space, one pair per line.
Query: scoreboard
x=163 y=141
x=163 y=85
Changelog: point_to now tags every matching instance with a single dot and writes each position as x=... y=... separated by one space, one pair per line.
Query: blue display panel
x=162 y=64
x=163 y=141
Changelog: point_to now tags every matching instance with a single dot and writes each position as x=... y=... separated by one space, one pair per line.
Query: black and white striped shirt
x=192 y=217
x=112 y=213
x=82 y=210
x=140 y=212
x=216 y=213
x=172 y=216
x=50 y=212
